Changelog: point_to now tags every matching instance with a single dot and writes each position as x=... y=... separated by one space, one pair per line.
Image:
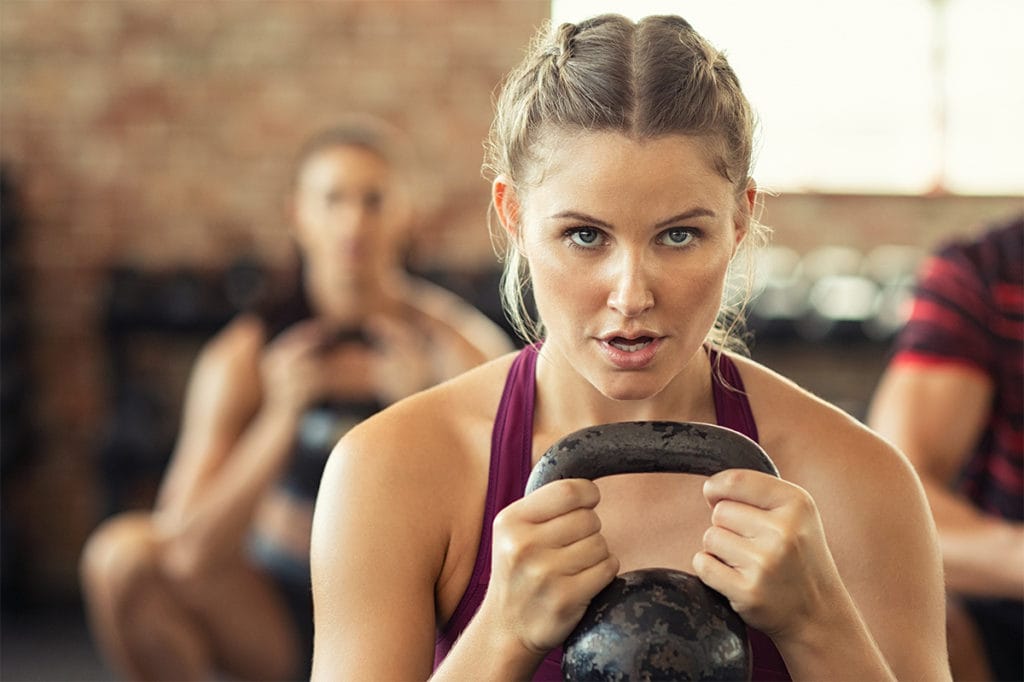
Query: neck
x=566 y=401
x=347 y=303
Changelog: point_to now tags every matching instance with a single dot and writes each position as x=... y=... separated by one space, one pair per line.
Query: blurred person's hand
x=401 y=361
x=292 y=371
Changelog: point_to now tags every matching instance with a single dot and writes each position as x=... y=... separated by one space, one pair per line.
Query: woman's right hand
x=291 y=369
x=549 y=559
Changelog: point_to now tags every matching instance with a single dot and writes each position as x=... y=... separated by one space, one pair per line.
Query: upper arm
x=222 y=394
x=469 y=334
x=377 y=549
x=877 y=523
x=884 y=541
x=935 y=413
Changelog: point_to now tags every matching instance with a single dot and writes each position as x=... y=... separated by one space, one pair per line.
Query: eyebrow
x=681 y=217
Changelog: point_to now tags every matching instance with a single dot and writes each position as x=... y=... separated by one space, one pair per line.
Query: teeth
x=630 y=347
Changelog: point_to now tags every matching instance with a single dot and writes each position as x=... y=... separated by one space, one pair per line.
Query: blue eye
x=586 y=237
x=676 y=236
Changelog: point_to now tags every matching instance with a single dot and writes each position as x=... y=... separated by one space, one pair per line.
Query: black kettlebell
x=654 y=623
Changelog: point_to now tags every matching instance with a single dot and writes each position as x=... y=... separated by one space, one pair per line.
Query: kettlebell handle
x=638 y=447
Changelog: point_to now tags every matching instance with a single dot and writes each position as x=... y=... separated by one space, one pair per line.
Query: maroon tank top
x=511 y=459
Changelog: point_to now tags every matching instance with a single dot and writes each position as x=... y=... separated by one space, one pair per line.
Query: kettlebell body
x=654 y=623
x=658 y=624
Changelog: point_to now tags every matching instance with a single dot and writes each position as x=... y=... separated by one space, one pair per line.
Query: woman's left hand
x=766 y=552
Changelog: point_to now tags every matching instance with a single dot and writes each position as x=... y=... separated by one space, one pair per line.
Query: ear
x=506 y=205
x=747 y=202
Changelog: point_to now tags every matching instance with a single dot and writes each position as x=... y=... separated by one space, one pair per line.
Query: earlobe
x=750 y=204
x=506 y=205
x=750 y=194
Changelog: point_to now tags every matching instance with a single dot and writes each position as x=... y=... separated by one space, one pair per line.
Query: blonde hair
x=645 y=79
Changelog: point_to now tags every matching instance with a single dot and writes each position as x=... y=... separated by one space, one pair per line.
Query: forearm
x=217 y=516
x=838 y=648
x=480 y=654
x=983 y=555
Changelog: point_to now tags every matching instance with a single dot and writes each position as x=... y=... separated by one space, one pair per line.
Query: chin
x=630 y=389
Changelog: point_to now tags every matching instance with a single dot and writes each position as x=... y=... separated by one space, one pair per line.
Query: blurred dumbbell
x=893 y=268
x=839 y=306
x=779 y=295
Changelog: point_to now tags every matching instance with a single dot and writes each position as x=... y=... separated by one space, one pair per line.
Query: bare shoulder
x=224 y=383
x=431 y=433
x=236 y=346
x=817 y=445
x=458 y=316
x=415 y=473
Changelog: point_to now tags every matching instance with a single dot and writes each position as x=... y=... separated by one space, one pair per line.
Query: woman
x=216 y=579
x=621 y=157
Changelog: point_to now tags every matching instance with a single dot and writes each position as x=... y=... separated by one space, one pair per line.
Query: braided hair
x=643 y=79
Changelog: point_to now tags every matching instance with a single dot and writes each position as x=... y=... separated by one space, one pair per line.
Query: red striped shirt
x=968 y=310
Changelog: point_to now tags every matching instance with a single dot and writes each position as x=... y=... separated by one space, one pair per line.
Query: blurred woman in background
x=215 y=580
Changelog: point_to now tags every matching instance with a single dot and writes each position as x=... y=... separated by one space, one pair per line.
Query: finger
x=731 y=549
x=715 y=573
x=559 y=497
x=740 y=518
x=580 y=555
x=594 y=578
x=570 y=527
x=301 y=338
x=747 y=486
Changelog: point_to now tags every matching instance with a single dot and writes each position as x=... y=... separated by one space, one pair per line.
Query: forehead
x=341 y=163
x=612 y=168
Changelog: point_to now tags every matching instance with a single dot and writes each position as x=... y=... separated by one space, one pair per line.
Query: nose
x=631 y=293
x=351 y=217
x=351 y=224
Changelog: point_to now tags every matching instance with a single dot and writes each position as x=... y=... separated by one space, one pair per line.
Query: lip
x=630 y=360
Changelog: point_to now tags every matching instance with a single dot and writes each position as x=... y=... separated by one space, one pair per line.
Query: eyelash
x=575 y=231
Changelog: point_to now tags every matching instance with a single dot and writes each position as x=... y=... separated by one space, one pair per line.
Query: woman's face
x=347 y=213
x=628 y=243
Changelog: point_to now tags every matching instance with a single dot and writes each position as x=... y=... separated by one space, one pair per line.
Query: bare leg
x=967 y=659
x=151 y=627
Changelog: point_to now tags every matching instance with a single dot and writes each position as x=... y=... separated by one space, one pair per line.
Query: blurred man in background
x=951 y=399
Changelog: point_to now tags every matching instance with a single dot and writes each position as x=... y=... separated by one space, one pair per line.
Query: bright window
x=876 y=96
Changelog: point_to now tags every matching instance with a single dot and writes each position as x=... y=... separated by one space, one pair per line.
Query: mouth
x=630 y=345
x=633 y=351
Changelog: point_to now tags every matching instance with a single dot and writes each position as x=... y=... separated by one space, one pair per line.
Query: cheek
x=562 y=292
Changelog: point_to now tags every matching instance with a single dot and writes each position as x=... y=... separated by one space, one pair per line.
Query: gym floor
x=49 y=644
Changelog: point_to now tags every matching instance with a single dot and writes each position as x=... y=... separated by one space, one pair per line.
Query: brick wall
x=158 y=134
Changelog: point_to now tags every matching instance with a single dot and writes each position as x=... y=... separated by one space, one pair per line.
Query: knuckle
x=718 y=512
x=592 y=523
x=535 y=574
x=597 y=548
x=503 y=520
x=709 y=538
x=802 y=502
x=579 y=492
x=609 y=568
x=732 y=477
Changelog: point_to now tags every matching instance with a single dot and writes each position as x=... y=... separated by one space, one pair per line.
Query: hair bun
x=565 y=39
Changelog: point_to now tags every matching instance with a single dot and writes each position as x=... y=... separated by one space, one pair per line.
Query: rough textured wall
x=159 y=133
